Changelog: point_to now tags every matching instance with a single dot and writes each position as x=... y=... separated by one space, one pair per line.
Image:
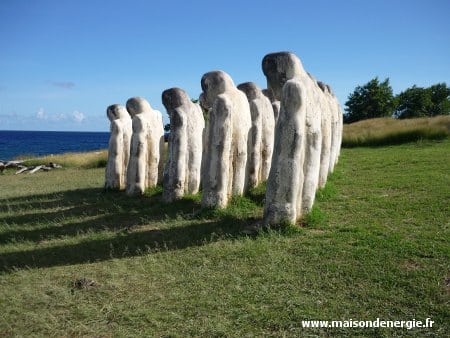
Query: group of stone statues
x=235 y=138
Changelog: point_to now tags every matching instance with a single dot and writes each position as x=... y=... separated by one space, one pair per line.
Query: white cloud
x=78 y=117
x=63 y=84
x=59 y=117
x=41 y=114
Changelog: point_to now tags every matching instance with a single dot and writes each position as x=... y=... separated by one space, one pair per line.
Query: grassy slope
x=389 y=131
x=376 y=245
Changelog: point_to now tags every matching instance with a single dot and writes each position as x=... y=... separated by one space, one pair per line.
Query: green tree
x=440 y=96
x=374 y=99
x=423 y=102
x=413 y=102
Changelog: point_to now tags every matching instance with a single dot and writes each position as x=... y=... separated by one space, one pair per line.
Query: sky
x=63 y=62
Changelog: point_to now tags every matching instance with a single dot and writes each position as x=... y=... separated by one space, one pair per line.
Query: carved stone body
x=313 y=145
x=145 y=168
x=182 y=171
x=336 y=136
x=275 y=103
x=325 y=156
x=261 y=137
x=119 y=147
x=290 y=196
x=285 y=182
x=229 y=123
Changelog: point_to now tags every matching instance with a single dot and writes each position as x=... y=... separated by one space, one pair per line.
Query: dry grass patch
x=87 y=160
x=386 y=131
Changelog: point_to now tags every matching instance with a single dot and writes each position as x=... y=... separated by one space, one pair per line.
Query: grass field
x=78 y=261
x=389 y=131
x=87 y=160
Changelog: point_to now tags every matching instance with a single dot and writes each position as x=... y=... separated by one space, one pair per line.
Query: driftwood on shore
x=21 y=167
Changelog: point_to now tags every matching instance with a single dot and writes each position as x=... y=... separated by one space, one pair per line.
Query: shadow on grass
x=107 y=211
x=43 y=218
x=123 y=245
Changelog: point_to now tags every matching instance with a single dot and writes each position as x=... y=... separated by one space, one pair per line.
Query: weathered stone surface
x=182 y=171
x=285 y=182
x=275 y=103
x=313 y=145
x=119 y=147
x=261 y=137
x=145 y=168
x=308 y=116
x=336 y=136
x=226 y=143
x=325 y=156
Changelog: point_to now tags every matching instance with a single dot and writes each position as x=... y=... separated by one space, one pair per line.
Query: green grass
x=389 y=131
x=375 y=245
x=87 y=160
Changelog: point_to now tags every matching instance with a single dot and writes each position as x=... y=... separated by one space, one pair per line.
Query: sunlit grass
x=386 y=131
x=86 y=160
x=92 y=159
x=376 y=245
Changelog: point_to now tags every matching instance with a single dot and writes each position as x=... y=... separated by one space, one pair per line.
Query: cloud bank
x=63 y=84
x=41 y=114
x=76 y=116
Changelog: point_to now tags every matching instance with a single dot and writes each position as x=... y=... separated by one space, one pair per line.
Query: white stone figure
x=228 y=126
x=205 y=110
x=325 y=156
x=336 y=130
x=313 y=145
x=285 y=182
x=119 y=147
x=275 y=103
x=261 y=136
x=340 y=126
x=182 y=172
x=294 y=175
x=145 y=168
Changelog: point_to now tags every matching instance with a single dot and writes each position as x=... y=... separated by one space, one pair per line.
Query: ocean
x=39 y=143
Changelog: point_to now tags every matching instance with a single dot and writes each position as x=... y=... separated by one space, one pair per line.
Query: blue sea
x=39 y=143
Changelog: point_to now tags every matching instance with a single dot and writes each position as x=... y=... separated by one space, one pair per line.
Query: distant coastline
x=14 y=143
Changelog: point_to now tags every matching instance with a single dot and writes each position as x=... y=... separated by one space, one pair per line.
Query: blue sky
x=63 y=62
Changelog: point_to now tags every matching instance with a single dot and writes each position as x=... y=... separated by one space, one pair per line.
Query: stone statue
x=325 y=156
x=294 y=176
x=119 y=147
x=145 y=168
x=228 y=126
x=337 y=127
x=261 y=136
x=313 y=145
x=275 y=103
x=285 y=182
x=182 y=172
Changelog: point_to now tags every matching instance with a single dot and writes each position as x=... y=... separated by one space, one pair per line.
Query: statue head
x=322 y=86
x=214 y=83
x=173 y=98
x=269 y=94
x=137 y=105
x=116 y=111
x=279 y=68
x=250 y=89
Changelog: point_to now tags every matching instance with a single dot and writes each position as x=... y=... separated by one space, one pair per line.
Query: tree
x=374 y=99
x=423 y=102
x=413 y=102
x=440 y=96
